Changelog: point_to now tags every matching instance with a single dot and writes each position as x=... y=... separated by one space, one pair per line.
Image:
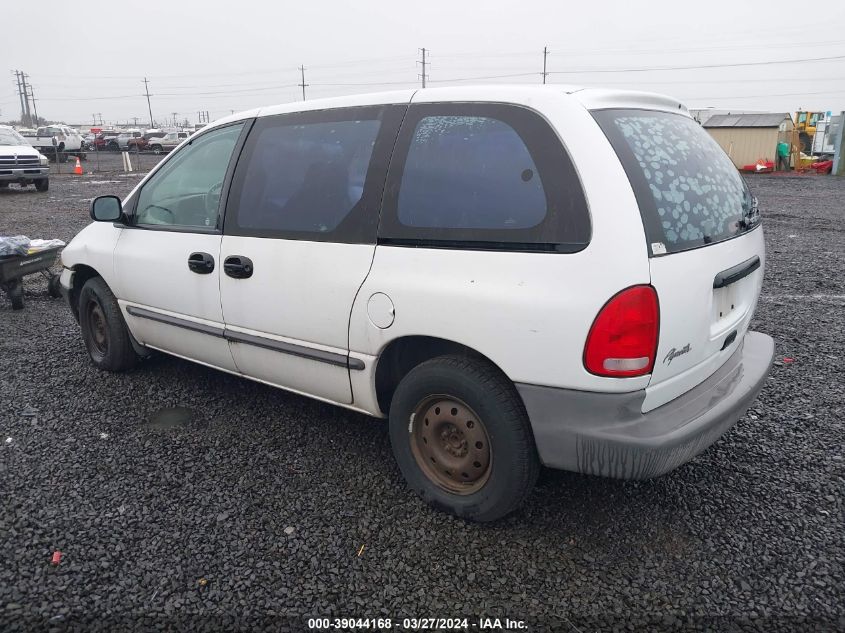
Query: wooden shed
x=749 y=137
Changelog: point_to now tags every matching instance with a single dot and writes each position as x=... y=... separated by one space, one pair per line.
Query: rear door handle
x=740 y=271
x=238 y=266
x=201 y=263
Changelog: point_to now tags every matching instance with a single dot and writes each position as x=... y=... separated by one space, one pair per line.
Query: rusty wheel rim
x=450 y=444
x=97 y=327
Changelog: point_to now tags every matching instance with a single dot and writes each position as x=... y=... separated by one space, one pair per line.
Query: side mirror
x=106 y=209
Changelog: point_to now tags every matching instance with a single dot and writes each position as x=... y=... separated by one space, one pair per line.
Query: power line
x=487 y=77
x=731 y=65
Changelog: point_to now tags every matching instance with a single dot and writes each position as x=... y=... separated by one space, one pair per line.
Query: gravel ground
x=266 y=508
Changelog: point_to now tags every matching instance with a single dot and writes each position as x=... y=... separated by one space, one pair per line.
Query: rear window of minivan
x=689 y=192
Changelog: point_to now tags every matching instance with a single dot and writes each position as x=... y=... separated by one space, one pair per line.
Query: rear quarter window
x=486 y=176
x=689 y=192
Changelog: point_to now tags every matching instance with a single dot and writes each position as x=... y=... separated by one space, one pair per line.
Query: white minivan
x=512 y=275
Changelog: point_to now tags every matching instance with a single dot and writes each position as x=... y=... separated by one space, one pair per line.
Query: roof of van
x=590 y=98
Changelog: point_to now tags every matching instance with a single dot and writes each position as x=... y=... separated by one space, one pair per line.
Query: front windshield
x=10 y=137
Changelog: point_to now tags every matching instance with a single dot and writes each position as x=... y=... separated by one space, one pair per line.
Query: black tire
x=157 y=149
x=113 y=147
x=54 y=287
x=42 y=184
x=103 y=329
x=3 y=185
x=16 y=295
x=491 y=398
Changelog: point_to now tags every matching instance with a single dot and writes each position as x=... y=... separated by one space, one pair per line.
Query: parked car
x=121 y=141
x=56 y=141
x=106 y=140
x=142 y=143
x=21 y=163
x=167 y=143
x=513 y=276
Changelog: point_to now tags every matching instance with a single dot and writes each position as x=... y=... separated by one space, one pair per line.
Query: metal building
x=749 y=137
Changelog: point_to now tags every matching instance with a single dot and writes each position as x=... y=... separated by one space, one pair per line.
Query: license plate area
x=729 y=306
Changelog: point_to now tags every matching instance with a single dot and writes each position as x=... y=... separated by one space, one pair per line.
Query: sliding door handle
x=238 y=266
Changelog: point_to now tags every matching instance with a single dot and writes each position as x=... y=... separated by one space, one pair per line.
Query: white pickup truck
x=57 y=140
x=21 y=163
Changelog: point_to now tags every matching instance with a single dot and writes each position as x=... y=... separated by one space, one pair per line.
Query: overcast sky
x=223 y=55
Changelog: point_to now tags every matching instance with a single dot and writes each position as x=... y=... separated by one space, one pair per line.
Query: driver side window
x=186 y=191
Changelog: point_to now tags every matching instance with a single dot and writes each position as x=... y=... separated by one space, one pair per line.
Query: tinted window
x=185 y=192
x=313 y=175
x=483 y=176
x=688 y=190
x=470 y=172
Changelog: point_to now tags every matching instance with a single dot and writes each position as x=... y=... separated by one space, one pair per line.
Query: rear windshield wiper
x=750 y=216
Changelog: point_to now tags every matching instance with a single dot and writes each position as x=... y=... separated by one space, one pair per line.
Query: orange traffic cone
x=78 y=169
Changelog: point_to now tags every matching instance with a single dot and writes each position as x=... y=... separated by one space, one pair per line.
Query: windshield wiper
x=750 y=216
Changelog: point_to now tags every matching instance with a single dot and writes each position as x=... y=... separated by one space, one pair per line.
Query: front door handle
x=238 y=266
x=201 y=263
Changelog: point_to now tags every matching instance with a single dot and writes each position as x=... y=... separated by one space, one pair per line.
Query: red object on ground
x=761 y=166
x=788 y=360
x=57 y=558
x=823 y=167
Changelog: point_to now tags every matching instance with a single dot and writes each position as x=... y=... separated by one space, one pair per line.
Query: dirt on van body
x=191 y=527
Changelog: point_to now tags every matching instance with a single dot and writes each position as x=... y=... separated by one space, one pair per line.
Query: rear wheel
x=156 y=149
x=42 y=184
x=461 y=437
x=103 y=329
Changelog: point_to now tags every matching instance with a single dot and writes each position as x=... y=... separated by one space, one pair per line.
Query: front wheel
x=42 y=184
x=103 y=329
x=462 y=439
x=157 y=149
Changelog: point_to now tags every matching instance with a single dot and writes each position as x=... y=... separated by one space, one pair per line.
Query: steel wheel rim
x=97 y=327
x=450 y=444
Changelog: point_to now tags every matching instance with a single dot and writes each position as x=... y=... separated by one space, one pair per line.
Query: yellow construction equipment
x=805 y=125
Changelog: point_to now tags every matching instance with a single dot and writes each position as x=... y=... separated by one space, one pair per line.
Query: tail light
x=623 y=339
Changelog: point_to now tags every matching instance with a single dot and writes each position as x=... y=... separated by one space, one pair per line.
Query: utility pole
x=34 y=107
x=174 y=118
x=26 y=99
x=545 y=54
x=149 y=107
x=423 y=62
x=303 y=84
x=135 y=121
x=20 y=94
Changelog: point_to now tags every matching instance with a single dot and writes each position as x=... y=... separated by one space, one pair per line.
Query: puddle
x=171 y=419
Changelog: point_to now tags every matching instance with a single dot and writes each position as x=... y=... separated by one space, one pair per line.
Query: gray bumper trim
x=23 y=173
x=607 y=434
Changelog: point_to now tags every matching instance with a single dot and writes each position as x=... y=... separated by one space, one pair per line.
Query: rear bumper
x=607 y=434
